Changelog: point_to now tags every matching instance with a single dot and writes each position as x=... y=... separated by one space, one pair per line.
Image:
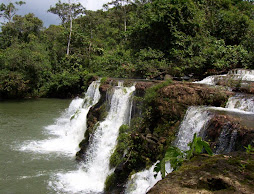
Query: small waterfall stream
x=211 y=80
x=242 y=74
x=237 y=74
x=69 y=129
x=194 y=121
x=91 y=176
x=196 y=118
x=241 y=102
x=142 y=181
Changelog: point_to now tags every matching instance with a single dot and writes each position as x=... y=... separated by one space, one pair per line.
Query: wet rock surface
x=227 y=134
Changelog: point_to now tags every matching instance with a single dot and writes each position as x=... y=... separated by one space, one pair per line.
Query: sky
x=40 y=7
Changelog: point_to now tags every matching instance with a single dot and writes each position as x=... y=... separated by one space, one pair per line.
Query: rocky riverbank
x=158 y=108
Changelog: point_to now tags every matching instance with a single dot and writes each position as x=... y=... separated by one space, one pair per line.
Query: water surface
x=28 y=171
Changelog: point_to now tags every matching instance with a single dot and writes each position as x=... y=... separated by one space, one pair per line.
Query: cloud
x=93 y=4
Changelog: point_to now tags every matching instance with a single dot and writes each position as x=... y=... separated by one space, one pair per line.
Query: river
x=29 y=171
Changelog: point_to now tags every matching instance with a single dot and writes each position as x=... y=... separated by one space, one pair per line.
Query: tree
x=21 y=27
x=122 y=5
x=9 y=10
x=67 y=12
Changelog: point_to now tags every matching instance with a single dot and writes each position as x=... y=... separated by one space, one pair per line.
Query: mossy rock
x=233 y=173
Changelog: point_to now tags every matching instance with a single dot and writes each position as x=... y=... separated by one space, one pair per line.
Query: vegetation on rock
x=176 y=156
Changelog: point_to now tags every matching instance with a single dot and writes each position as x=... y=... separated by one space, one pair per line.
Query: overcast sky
x=40 y=7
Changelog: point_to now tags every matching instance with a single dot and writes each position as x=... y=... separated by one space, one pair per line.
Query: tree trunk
x=69 y=39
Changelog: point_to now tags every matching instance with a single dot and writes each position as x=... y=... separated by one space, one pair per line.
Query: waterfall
x=242 y=74
x=91 y=176
x=69 y=129
x=196 y=119
x=241 y=102
x=211 y=80
x=142 y=181
x=236 y=74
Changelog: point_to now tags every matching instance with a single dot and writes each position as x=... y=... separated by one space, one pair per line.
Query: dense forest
x=128 y=39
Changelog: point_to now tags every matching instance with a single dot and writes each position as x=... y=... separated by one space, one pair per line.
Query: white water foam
x=233 y=110
x=196 y=118
x=242 y=74
x=211 y=80
x=236 y=74
x=92 y=174
x=242 y=103
x=69 y=129
x=142 y=181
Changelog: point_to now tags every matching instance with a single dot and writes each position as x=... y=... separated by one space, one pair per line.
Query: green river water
x=27 y=172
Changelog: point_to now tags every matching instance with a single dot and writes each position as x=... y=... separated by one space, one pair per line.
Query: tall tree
x=122 y=5
x=67 y=12
x=7 y=11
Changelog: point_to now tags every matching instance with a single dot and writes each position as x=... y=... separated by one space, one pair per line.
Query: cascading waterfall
x=69 y=129
x=237 y=74
x=241 y=102
x=195 y=120
x=241 y=105
x=211 y=80
x=142 y=181
x=242 y=74
x=91 y=176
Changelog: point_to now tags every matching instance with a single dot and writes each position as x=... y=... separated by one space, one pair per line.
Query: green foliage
x=151 y=93
x=13 y=84
x=176 y=157
x=65 y=84
x=140 y=39
x=22 y=28
x=66 y=10
x=150 y=63
x=123 y=141
x=249 y=149
x=173 y=155
x=103 y=80
x=75 y=115
x=9 y=10
x=110 y=180
x=196 y=147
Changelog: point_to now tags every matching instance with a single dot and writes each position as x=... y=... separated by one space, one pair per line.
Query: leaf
x=198 y=146
x=157 y=167
x=207 y=147
x=172 y=152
